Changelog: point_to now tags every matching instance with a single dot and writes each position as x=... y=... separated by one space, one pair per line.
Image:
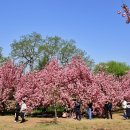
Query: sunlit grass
x=7 y=123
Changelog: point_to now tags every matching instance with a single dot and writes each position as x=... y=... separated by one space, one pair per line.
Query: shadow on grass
x=103 y=129
x=52 y=122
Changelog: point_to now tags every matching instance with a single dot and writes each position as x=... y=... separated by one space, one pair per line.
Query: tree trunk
x=31 y=66
x=55 y=119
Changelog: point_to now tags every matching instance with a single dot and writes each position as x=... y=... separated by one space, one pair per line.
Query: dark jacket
x=106 y=107
x=77 y=106
x=109 y=106
x=17 y=108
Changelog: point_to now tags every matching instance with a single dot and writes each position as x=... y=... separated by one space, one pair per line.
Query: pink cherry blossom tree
x=55 y=84
x=125 y=86
x=43 y=87
x=109 y=88
x=9 y=78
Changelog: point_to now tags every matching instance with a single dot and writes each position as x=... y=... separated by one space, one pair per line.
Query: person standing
x=124 y=106
x=89 y=109
x=110 y=109
x=77 y=109
x=17 y=111
x=106 y=109
x=23 y=110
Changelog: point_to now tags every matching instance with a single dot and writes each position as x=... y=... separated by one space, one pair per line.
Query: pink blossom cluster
x=10 y=75
x=56 y=84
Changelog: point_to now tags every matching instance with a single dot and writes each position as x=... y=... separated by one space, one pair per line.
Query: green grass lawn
x=117 y=123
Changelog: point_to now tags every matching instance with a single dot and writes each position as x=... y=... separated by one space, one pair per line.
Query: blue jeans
x=89 y=112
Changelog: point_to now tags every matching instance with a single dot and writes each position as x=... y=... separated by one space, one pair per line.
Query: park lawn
x=7 y=123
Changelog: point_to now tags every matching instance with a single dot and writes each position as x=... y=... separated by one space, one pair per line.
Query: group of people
x=107 y=109
x=89 y=110
x=20 y=111
x=76 y=112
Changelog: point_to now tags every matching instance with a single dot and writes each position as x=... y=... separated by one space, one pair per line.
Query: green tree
x=100 y=67
x=26 y=49
x=113 y=67
x=2 y=58
x=62 y=50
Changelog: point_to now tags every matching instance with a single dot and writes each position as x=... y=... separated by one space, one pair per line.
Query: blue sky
x=93 y=24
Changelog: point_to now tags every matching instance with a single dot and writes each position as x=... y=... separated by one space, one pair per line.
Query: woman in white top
x=124 y=106
x=23 y=110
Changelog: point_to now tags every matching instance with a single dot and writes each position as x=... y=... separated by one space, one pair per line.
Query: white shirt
x=124 y=104
x=23 y=107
